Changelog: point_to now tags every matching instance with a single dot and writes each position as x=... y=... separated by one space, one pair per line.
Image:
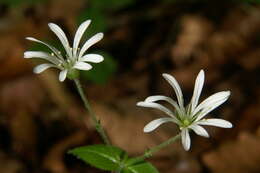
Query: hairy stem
x=93 y=116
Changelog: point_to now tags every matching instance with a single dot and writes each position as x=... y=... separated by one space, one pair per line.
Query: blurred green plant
x=111 y=158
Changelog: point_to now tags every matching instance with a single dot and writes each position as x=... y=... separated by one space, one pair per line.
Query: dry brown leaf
x=53 y=160
x=23 y=130
x=195 y=30
x=251 y=60
x=9 y=165
x=25 y=93
x=11 y=62
x=240 y=156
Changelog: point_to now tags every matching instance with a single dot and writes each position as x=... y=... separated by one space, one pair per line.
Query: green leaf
x=133 y=161
x=101 y=72
x=135 y=165
x=100 y=156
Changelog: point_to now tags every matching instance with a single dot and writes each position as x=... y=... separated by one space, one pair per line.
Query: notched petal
x=185 y=139
x=173 y=82
x=94 y=58
x=82 y=66
x=216 y=122
x=42 y=67
x=199 y=130
x=156 y=123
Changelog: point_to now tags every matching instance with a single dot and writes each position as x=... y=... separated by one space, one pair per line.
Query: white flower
x=190 y=117
x=75 y=58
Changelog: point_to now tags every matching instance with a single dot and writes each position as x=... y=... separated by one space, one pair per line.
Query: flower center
x=186 y=123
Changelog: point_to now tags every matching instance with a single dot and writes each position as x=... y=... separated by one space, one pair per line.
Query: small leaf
x=139 y=167
x=104 y=157
x=134 y=161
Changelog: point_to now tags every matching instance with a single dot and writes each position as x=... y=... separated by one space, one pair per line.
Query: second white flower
x=190 y=117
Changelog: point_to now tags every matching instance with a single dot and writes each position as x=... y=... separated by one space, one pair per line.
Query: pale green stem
x=93 y=116
x=157 y=148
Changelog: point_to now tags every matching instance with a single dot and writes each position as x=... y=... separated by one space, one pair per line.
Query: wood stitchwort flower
x=190 y=117
x=75 y=58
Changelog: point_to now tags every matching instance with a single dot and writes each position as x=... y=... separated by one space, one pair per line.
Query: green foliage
x=111 y=158
x=142 y=167
x=138 y=165
x=101 y=72
x=100 y=156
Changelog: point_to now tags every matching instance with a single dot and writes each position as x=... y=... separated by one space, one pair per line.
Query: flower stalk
x=93 y=116
x=157 y=148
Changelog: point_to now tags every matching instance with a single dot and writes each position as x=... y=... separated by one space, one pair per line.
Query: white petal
x=95 y=58
x=160 y=107
x=199 y=130
x=53 y=49
x=185 y=139
x=94 y=39
x=172 y=81
x=156 y=123
x=62 y=37
x=205 y=111
x=212 y=102
x=163 y=98
x=42 y=67
x=82 y=66
x=82 y=28
x=197 y=90
x=216 y=122
x=63 y=75
x=42 y=55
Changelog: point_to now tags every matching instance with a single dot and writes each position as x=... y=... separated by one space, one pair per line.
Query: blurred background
x=41 y=118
